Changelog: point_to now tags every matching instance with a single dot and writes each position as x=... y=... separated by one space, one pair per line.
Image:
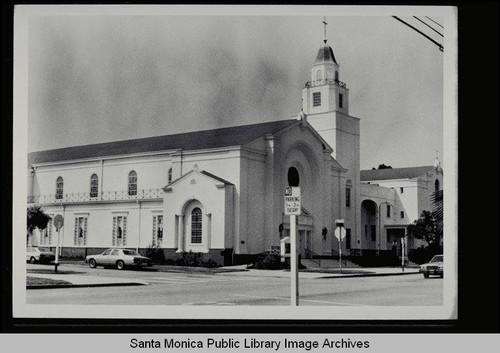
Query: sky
x=100 y=78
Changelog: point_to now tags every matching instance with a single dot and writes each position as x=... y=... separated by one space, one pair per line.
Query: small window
x=169 y=175
x=336 y=75
x=348 y=196
x=316 y=99
x=374 y=232
x=119 y=231
x=401 y=190
x=59 y=188
x=402 y=214
x=80 y=233
x=157 y=230
x=132 y=183
x=436 y=185
x=196 y=226
x=366 y=230
x=94 y=185
x=341 y=100
x=348 y=238
x=388 y=211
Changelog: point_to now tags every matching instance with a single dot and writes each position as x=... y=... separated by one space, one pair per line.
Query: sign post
x=58 y=222
x=292 y=209
x=338 y=233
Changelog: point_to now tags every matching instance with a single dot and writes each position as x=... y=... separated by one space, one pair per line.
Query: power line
x=434 y=21
x=428 y=26
x=425 y=35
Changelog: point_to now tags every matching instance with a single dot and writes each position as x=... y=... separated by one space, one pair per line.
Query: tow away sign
x=292 y=201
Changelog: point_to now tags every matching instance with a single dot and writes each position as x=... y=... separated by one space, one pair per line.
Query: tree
x=382 y=166
x=36 y=219
x=437 y=203
x=427 y=228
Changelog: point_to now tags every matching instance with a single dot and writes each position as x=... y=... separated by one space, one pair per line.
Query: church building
x=221 y=192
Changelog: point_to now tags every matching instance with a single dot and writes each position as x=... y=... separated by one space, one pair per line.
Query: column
x=180 y=234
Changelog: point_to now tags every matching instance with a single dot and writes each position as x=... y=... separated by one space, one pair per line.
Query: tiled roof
x=223 y=137
x=394 y=173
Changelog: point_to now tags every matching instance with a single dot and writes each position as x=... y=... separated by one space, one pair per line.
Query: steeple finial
x=324 y=25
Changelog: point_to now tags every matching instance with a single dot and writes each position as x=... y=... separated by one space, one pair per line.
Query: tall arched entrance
x=369 y=236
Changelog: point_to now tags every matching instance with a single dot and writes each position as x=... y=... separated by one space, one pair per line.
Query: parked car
x=434 y=267
x=120 y=258
x=39 y=254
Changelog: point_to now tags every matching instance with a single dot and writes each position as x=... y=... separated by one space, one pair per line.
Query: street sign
x=338 y=231
x=58 y=222
x=292 y=201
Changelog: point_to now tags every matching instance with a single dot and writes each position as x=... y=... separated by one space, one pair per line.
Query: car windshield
x=43 y=249
x=437 y=258
x=130 y=252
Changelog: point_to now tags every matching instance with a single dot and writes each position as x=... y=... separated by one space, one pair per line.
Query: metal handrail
x=118 y=195
x=325 y=81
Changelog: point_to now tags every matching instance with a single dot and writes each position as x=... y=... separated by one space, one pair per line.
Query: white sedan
x=120 y=258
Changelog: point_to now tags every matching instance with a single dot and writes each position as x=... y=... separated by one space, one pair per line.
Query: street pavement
x=78 y=274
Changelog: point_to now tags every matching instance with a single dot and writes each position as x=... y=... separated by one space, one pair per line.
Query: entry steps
x=327 y=263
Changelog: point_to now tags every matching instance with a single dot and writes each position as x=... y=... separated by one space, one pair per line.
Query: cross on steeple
x=324 y=24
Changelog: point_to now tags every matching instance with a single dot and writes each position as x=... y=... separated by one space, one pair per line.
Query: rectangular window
x=341 y=100
x=366 y=230
x=47 y=233
x=401 y=190
x=80 y=234
x=388 y=211
x=157 y=230
x=348 y=238
x=119 y=230
x=402 y=214
x=316 y=99
x=348 y=197
x=374 y=233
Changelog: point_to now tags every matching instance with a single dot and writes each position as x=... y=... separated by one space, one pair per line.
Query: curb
x=370 y=275
x=53 y=286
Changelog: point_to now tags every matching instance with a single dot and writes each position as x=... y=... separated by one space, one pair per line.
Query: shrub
x=155 y=253
x=269 y=261
x=194 y=259
x=423 y=254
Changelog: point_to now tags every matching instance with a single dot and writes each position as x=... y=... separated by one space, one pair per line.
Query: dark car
x=39 y=254
x=434 y=267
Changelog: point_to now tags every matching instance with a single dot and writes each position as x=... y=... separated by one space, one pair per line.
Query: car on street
x=119 y=258
x=434 y=267
x=39 y=254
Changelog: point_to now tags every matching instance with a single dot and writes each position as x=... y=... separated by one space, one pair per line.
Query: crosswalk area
x=189 y=279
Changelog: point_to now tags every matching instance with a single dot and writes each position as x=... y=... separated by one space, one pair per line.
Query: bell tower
x=325 y=101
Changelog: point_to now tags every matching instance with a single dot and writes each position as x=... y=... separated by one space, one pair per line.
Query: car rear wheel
x=92 y=263
x=32 y=260
x=120 y=265
x=426 y=275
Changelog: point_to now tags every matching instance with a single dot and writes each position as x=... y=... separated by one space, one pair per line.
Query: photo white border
x=447 y=311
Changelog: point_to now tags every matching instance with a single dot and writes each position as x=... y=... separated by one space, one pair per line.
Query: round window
x=293 y=177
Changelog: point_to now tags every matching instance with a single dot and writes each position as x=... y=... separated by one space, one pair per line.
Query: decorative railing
x=121 y=195
x=325 y=81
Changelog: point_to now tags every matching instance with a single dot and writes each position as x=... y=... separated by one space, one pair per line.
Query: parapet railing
x=325 y=81
x=103 y=196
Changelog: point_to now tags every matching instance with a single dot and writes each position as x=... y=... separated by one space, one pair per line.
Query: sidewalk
x=75 y=278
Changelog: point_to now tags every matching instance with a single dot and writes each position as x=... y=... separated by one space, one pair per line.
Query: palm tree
x=437 y=203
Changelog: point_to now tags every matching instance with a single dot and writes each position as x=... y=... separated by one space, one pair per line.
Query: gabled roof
x=195 y=171
x=223 y=137
x=394 y=173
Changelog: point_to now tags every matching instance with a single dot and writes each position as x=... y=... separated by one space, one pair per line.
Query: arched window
x=94 y=185
x=336 y=75
x=169 y=175
x=436 y=185
x=348 y=193
x=59 y=188
x=319 y=75
x=196 y=226
x=132 y=183
x=293 y=177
